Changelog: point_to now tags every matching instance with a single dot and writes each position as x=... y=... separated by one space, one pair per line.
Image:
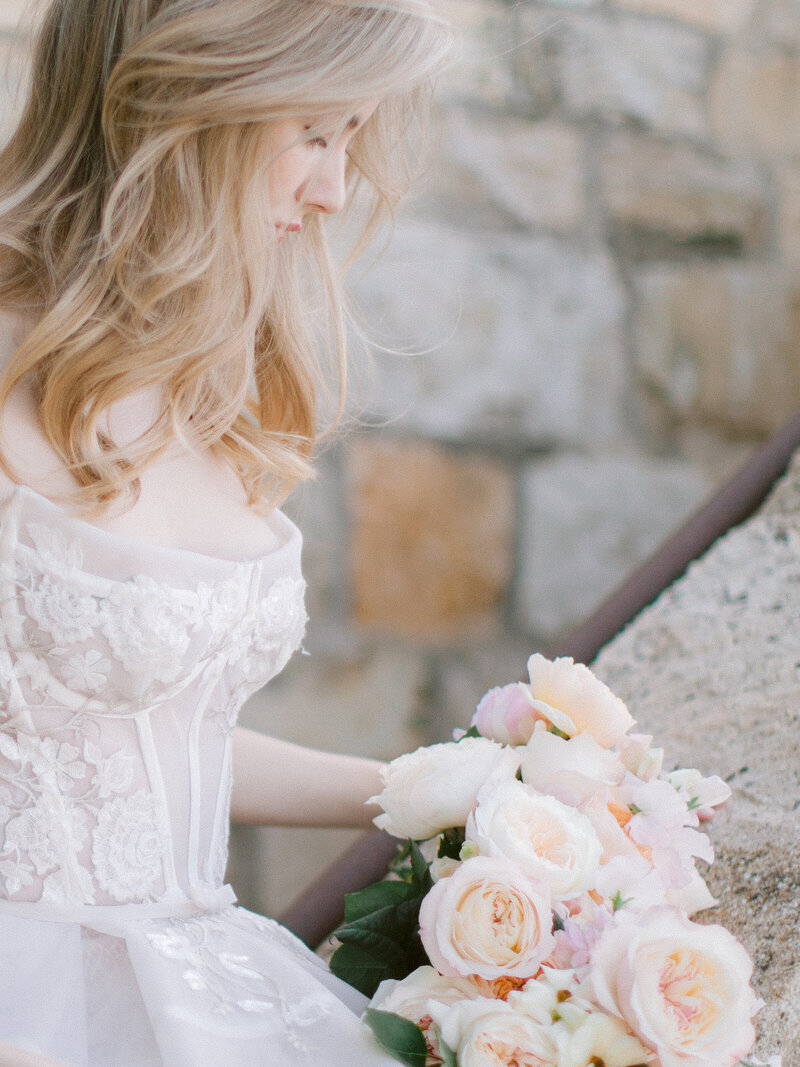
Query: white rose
x=487 y=1032
x=547 y=759
x=487 y=918
x=507 y=1040
x=570 y=697
x=683 y=989
x=435 y=788
x=418 y=996
x=543 y=837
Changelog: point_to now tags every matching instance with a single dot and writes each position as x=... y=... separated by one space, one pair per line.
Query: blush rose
x=505 y=714
x=489 y=919
x=683 y=989
x=570 y=697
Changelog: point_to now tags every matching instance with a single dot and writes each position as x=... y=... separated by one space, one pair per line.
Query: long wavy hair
x=133 y=227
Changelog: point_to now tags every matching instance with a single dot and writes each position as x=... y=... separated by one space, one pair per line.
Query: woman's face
x=307 y=174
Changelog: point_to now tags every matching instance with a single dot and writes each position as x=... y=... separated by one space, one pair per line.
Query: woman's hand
x=276 y=783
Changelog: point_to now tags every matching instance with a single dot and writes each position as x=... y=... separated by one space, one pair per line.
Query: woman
x=166 y=291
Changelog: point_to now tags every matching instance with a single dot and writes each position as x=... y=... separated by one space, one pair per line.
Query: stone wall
x=602 y=276
x=593 y=310
x=711 y=669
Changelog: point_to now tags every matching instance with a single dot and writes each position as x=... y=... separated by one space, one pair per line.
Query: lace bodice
x=122 y=669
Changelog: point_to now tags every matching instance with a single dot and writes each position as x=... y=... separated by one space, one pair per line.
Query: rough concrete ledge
x=712 y=670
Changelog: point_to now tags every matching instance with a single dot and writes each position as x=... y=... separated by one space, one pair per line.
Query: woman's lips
x=292 y=227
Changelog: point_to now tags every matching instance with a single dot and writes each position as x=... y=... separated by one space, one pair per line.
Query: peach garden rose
x=488 y=918
x=489 y=1033
x=502 y=1040
x=570 y=697
x=683 y=989
x=418 y=996
x=547 y=839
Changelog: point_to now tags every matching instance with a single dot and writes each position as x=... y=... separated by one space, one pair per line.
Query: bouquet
x=539 y=915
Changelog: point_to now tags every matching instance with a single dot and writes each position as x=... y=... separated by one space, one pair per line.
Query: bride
x=168 y=303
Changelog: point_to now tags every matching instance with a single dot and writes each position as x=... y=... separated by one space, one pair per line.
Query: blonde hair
x=132 y=222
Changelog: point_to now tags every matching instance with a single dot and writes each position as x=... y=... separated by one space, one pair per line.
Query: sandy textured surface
x=712 y=670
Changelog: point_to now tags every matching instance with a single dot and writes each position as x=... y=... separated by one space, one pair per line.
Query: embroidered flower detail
x=114 y=774
x=53 y=760
x=224 y=605
x=16 y=874
x=128 y=844
x=43 y=834
x=73 y=886
x=149 y=626
x=62 y=609
x=281 y=621
x=87 y=671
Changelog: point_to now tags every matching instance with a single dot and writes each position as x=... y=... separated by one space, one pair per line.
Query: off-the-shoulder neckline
x=281 y=525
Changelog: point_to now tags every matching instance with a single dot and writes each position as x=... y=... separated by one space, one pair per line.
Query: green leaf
x=397 y=1036
x=450 y=845
x=472 y=732
x=388 y=946
x=373 y=898
x=381 y=929
x=422 y=876
x=400 y=864
x=360 y=969
x=447 y=1055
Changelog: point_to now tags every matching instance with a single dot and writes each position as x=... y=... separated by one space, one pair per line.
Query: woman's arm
x=280 y=784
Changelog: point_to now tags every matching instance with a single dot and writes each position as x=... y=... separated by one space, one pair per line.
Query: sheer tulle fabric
x=122 y=670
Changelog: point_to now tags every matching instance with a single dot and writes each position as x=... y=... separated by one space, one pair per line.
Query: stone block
x=530 y=171
x=432 y=538
x=481 y=69
x=469 y=671
x=718 y=16
x=365 y=703
x=536 y=58
x=779 y=20
x=586 y=522
x=719 y=344
x=788 y=187
x=625 y=68
x=317 y=507
x=754 y=101
x=520 y=338
x=683 y=194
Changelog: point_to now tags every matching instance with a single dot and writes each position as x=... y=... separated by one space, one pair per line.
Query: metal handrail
x=319 y=909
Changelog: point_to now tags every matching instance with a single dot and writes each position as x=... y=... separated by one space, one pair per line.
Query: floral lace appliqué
x=128 y=844
x=233 y=981
x=105 y=683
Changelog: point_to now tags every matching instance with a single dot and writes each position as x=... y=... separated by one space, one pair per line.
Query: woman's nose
x=326 y=189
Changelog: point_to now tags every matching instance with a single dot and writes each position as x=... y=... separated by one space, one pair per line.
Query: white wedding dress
x=122 y=669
